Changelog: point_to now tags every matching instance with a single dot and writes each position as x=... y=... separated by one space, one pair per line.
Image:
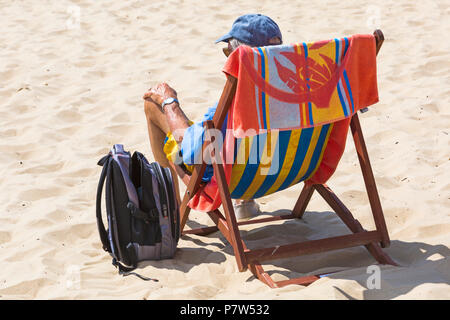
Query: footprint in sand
x=122 y=117
x=8 y=133
x=28 y=288
x=46 y=168
x=5 y=237
x=69 y=116
x=69 y=131
x=40 y=193
x=58 y=216
x=73 y=233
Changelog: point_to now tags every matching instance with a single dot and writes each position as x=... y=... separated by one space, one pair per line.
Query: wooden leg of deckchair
x=369 y=181
x=361 y=237
x=204 y=231
x=221 y=223
x=259 y=272
x=262 y=275
x=184 y=212
x=235 y=236
x=192 y=188
x=303 y=200
x=256 y=256
x=346 y=216
x=254 y=267
x=303 y=281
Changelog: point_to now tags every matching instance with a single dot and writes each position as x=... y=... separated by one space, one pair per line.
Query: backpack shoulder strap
x=101 y=228
x=125 y=271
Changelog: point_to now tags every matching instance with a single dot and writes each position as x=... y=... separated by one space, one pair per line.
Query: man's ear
x=275 y=41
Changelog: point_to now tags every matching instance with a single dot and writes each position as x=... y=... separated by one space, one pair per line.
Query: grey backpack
x=141 y=210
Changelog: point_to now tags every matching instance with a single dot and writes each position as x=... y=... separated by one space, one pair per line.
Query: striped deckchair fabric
x=293 y=95
x=273 y=161
x=292 y=100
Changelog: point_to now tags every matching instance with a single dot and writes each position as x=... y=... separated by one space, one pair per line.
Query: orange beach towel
x=297 y=86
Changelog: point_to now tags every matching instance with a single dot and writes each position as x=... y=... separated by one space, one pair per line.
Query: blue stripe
x=311 y=122
x=346 y=46
x=257 y=91
x=310 y=114
x=344 y=107
x=263 y=94
x=251 y=168
x=317 y=151
x=341 y=98
x=336 y=41
x=303 y=144
x=237 y=143
x=263 y=107
x=281 y=148
x=349 y=90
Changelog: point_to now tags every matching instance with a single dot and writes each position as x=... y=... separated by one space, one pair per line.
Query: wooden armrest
x=379 y=39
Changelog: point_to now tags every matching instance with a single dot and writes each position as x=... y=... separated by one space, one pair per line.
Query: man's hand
x=159 y=93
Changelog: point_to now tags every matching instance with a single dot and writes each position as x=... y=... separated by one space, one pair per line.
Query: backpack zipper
x=162 y=191
x=169 y=188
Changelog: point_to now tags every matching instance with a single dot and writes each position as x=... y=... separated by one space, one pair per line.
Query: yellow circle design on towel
x=171 y=149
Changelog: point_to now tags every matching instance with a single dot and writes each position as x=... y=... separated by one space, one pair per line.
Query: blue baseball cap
x=253 y=29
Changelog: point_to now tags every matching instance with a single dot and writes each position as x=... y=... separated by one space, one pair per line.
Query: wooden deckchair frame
x=229 y=227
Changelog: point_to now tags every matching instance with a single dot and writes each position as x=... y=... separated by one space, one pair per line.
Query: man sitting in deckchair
x=164 y=115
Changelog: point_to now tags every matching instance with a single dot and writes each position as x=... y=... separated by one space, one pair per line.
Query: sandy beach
x=72 y=77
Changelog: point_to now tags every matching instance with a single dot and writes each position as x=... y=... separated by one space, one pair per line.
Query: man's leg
x=157 y=130
x=158 y=127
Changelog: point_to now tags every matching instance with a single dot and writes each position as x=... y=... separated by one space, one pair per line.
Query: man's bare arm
x=176 y=118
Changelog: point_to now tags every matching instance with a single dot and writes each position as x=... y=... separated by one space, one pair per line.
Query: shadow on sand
x=410 y=256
